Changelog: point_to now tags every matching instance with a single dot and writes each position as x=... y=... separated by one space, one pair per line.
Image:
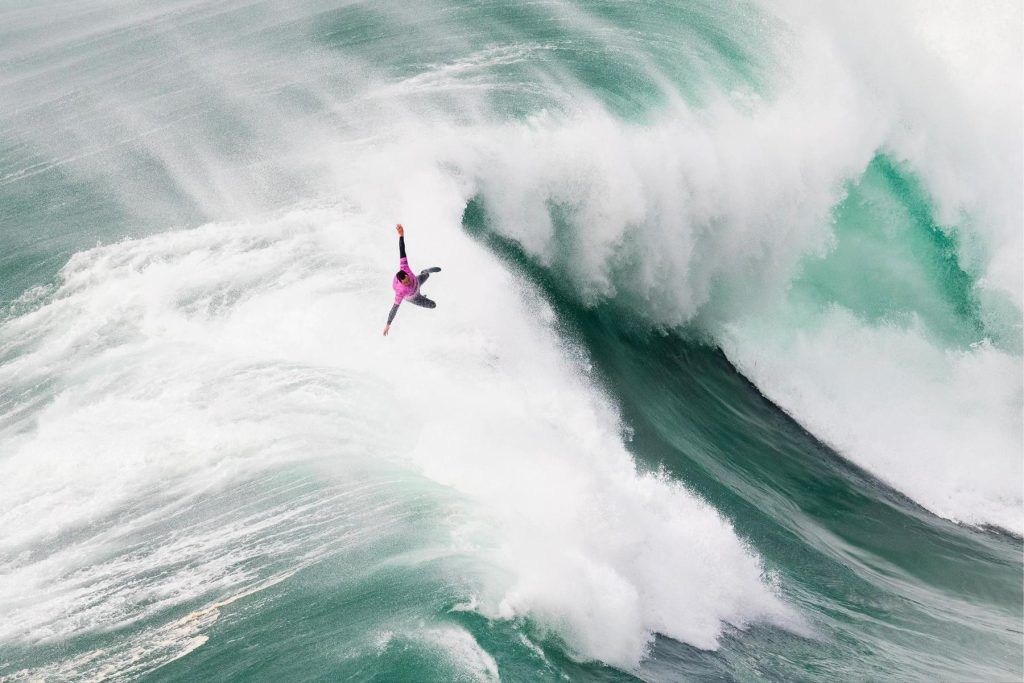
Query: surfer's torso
x=407 y=289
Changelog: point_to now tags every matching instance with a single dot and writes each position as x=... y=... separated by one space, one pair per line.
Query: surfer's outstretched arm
x=391 y=316
x=401 y=241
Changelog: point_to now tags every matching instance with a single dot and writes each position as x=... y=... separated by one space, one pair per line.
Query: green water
x=891 y=259
x=840 y=542
x=213 y=467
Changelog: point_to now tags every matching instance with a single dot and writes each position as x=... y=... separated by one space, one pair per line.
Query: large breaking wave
x=841 y=215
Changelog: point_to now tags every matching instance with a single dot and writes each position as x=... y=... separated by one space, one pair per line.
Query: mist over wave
x=712 y=217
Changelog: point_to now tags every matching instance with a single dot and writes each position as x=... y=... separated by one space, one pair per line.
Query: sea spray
x=203 y=402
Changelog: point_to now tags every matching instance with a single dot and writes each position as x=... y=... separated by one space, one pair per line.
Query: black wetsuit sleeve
x=391 y=315
x=401 y=246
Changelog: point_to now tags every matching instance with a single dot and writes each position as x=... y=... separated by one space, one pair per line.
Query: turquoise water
x=724 y=382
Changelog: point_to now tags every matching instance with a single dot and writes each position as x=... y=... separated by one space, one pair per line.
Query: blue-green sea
x=724 y=381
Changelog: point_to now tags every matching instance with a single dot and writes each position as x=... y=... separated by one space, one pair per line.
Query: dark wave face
x=724 y=381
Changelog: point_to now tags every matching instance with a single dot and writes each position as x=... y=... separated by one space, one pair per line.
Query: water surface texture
x=724 y=381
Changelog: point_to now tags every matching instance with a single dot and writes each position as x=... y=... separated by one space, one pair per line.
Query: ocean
x=724 y=382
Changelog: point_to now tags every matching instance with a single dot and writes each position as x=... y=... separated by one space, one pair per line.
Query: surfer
x=407 y=285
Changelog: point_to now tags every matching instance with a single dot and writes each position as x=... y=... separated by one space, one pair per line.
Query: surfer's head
x=402 y=276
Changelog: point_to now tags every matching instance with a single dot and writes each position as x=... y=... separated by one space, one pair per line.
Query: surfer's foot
x=435 y=269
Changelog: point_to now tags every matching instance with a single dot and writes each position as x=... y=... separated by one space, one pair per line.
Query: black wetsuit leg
x=424 y=274
x=423 y=301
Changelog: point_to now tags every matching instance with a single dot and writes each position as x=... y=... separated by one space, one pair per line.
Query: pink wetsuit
x=407 y=289
x=410 y=289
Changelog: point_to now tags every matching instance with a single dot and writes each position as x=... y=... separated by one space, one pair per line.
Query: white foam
x=460 y=647
x=942 y=426
x=193 y=359
x=152 y=648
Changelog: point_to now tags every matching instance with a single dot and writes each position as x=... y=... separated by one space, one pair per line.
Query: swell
x=842 y=541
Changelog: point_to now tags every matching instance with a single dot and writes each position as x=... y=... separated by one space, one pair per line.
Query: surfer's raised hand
x=400 y=229
x=386 y=328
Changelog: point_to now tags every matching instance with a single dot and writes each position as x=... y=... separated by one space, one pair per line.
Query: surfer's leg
x=423 y=301
x=424 y=274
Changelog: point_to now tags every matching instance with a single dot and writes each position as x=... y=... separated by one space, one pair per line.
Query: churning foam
x=191 y=360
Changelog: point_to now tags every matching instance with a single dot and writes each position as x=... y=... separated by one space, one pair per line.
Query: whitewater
x=724 y=380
